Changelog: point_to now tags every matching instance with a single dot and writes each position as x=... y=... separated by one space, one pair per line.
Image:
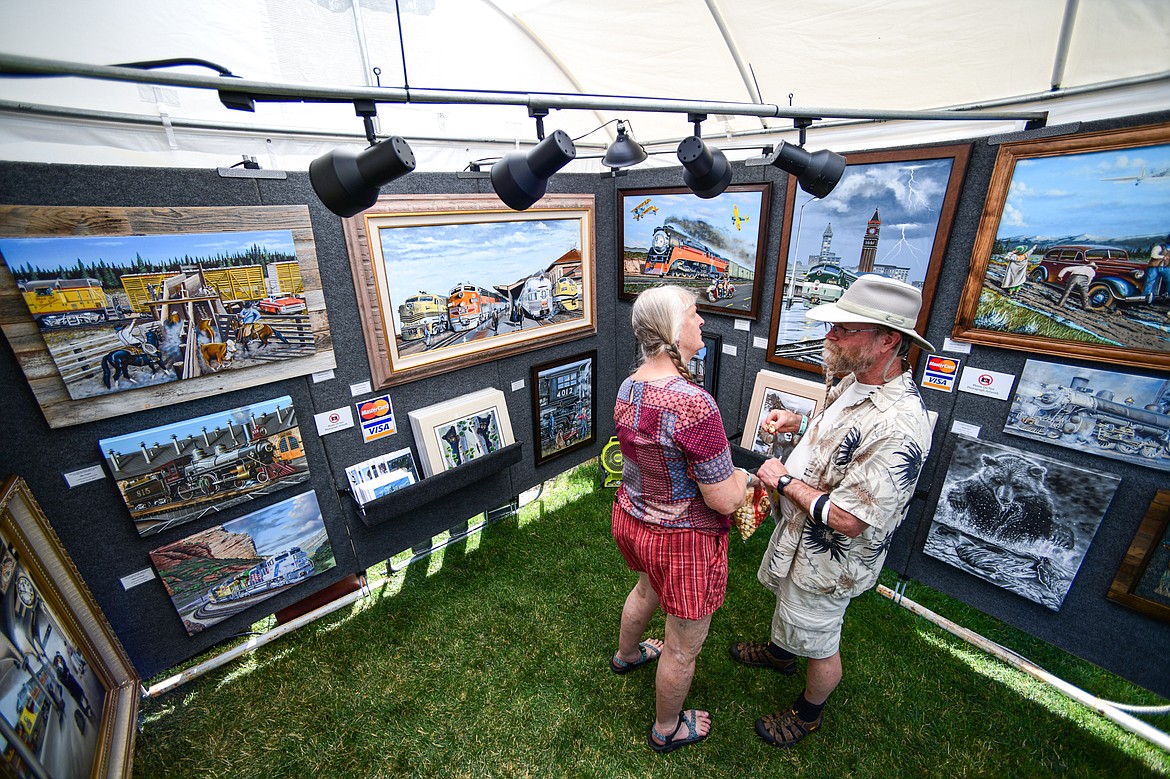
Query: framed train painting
x=1072 y=256
x=448 y=281
x=564 y=405
x=115 y=310
x=68 y=692
x=714 y=246
x=891 y=213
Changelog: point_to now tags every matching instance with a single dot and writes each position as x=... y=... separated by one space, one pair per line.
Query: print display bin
x=440 y=485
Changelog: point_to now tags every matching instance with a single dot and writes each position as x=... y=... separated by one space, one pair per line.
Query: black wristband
x=817 y=506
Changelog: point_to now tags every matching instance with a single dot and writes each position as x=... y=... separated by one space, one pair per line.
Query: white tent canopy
x=494 y=59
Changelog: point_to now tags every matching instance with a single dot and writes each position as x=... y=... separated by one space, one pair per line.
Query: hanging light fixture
x=521 y=178
x=707 y=172
x=624 y=152
x=348 y=181
x=816 y=172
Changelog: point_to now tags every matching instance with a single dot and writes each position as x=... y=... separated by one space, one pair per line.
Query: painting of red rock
x=224 y=570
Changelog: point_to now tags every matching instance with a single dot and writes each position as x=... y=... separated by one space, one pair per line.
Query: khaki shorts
x=807 y=624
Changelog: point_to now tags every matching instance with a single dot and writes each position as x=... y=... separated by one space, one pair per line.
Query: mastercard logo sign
x=374 y=409
x=942 y=365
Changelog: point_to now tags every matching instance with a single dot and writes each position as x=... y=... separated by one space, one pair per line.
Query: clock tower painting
x=869 y=245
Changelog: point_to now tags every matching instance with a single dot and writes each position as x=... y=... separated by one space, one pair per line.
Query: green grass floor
x=490 y=659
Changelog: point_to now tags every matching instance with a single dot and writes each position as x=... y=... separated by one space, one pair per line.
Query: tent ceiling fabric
x=882 y=55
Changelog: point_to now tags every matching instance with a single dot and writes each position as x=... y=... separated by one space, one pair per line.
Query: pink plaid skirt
x=686 y=568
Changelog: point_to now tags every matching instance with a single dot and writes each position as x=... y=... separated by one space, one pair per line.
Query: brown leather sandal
x=756 y=655
x=785 y=729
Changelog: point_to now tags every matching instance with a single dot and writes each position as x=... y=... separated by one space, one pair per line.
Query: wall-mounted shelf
x=440 y=485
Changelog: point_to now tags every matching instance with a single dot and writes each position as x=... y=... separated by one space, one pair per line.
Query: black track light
x=348 y=181
x=707 y=170
x=521 y=178
x=816 y=172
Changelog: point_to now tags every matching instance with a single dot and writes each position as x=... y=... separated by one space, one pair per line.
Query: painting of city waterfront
x=891 y=214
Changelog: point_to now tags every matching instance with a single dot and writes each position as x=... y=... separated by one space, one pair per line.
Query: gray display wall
x=94 y=525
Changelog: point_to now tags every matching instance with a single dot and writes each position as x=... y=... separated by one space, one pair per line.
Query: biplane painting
x=120 y=312
x=224 y=570
x=175 y=473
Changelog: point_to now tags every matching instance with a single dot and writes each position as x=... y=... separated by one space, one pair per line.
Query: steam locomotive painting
x=1107 y=413
x=178 y=472
x=674 y=253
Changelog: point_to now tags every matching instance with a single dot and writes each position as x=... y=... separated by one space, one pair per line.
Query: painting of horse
x=116 y=364
x=255 y=331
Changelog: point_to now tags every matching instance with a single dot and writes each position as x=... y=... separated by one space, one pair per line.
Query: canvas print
x=221 y=571
x=122 y=312
x=564 y=405
x=175 y=473
x=775 y=391
x=890 y=214
x=1107 y=413
x=459 y=280
x=1073 y=252
x=713 y=246
x=1017 y=519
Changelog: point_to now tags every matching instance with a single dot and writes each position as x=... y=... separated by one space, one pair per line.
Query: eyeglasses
x=841 y=332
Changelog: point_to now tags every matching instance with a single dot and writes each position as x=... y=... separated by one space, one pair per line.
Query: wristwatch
x=783 y=482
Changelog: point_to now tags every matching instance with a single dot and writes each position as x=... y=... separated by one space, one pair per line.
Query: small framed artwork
x=217 y=573
x=70 y=692
x=713 y=246
x=776 y=391
x=175 y=473
x=564 y=405
x=704 y=366
x=1072 y=256
x=448 y=281
x=457 y=431
x=890 y=214
x=1017 y=519
x=116 y=310
x=1143 y=582
x=1112 y=414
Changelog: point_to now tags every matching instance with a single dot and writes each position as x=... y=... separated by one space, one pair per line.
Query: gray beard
x=837 y=362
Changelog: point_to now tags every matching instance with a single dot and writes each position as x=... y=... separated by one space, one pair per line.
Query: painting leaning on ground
x=1107 y=413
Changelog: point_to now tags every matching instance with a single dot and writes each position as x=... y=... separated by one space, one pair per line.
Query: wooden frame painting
x=216 y=573
x=1017 y=519
x=1143 y=581
x=444 y=282
x=776 y=391
x=1063 y=260
x=1111 y=414
x=564 y=405
x=175 y=473
x=457 y=431
x=68 y=692
x=704 y=366
x=116 y=310
x=714 y=246
x=891 y=213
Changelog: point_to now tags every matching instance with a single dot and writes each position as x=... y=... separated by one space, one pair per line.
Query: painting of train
x=890 y=214
x=564 y=405
x=1107 y=413
x=157 y=304
x=460 y=280
x=714 y=246
x=219 y=572
x=174 y=473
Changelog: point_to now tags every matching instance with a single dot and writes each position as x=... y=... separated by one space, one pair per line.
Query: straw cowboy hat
x=880 y=300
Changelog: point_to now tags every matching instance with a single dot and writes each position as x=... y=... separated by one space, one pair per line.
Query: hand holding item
x=781 y=420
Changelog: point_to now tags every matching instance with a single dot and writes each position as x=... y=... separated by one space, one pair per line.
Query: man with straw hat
x=843 y=491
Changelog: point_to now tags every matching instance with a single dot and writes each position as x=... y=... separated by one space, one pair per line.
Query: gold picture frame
x=500 y=283
x=59 y=651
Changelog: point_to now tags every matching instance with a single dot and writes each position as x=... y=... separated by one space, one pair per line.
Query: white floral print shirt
x=869 y=460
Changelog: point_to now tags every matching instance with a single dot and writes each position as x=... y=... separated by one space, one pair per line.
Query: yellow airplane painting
x=736 y=218
x=643 y=209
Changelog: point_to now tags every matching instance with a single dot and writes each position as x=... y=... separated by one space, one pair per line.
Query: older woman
x=670 y=517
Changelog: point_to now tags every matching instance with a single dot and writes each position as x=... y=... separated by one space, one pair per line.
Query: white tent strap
x=1108 y=709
